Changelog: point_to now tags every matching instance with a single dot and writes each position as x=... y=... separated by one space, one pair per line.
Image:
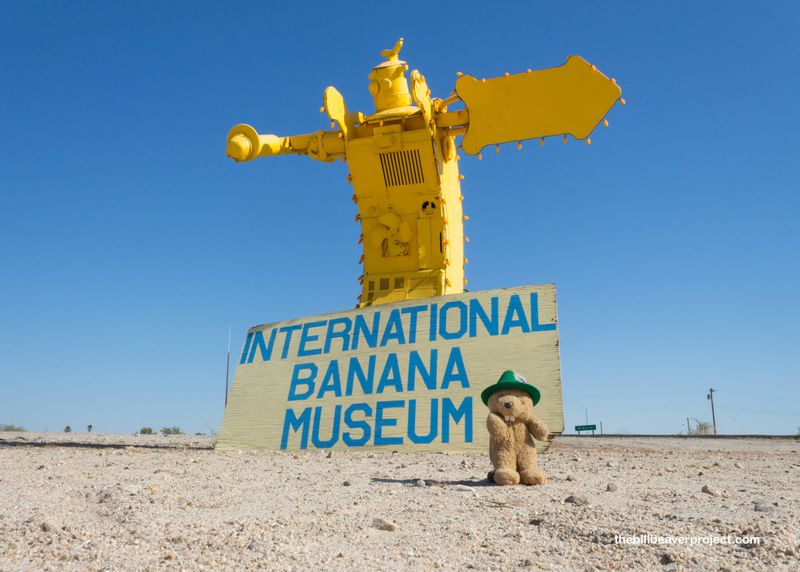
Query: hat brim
x=527 y=388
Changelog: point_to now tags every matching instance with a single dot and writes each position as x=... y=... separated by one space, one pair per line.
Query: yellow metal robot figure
x=403 y=159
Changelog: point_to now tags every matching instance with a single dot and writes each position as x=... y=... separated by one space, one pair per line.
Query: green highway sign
x=585 y=427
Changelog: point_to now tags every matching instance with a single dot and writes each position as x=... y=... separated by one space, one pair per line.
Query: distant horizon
x=157 y=433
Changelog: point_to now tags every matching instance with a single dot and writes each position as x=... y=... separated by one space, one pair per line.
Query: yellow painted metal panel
x=570 y=99
x=305 y=383
x=425 y=245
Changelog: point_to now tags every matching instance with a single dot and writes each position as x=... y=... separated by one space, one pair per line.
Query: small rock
x=420 y=483
x=329 y=455
x=611 y=465
x=40 y=467
x=464 y=488
x=383 y=524
x=611 y=487
x=737 y=465
x=667 y=558
x=46 y=526
x=346 y=484
x=570 y=478
x=527 y=563
x=709 y=491
x=576 y=458
x=536 y=521
x=576 y=500
x=762 y=506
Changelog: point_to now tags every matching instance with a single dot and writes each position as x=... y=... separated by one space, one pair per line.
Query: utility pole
x=228 y=365
x=688 y=427
x=710 y=396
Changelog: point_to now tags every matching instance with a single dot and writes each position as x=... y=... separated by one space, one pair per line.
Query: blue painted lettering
x=412 y=311
x=331 y=381
x=307 y=380
x=360 y=328
x=455 y=370
x=306 y=337
x=515 y=317
x=287 y=341
x=366 y=429
x=535 y=325
x=366 y=381
x=412 y=422
x=344 y=333
x=315 y=438
x=416 y=365
x=246 y=347
x=490 y=323
x=464 y=412
x=294 y=423
x=393 y=329
x=460 y=322
x=381 y=422
x=259 y=345
x=390 y=376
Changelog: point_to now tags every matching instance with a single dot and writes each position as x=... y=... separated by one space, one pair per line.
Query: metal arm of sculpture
x=568 y=100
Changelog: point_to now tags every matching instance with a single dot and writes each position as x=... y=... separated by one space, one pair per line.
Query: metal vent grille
x=401 y=168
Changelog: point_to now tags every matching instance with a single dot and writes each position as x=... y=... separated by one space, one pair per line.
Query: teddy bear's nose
x=508 y=405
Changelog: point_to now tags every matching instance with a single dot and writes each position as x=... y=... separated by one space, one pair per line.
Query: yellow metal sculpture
x=403 y=159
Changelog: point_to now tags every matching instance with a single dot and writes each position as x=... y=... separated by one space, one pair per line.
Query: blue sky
x=129 y=241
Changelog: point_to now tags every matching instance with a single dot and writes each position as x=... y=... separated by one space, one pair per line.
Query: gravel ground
x=109 y=502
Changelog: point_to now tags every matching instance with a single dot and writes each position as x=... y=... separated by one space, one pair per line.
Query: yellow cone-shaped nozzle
x=239 y=147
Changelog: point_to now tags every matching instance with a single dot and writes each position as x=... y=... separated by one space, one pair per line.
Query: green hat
x=511 y=380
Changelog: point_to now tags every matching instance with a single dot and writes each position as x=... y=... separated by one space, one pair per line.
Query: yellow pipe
x=245 y=144
x=452 y=118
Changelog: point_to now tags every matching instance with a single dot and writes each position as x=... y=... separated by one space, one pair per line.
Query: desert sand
x=110 y=502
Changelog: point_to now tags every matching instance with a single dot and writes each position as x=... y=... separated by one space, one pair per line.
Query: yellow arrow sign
x=570 y=99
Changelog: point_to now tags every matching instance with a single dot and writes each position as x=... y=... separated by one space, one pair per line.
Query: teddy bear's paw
x=533 y=477
x=506 y=477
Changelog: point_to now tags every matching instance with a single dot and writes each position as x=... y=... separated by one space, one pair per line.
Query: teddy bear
x=512 y=428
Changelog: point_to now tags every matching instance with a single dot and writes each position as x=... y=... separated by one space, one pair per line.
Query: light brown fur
x=511 y=447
